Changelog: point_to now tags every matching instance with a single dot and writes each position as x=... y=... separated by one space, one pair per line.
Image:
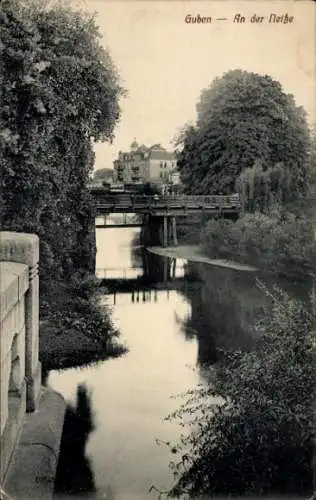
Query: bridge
x=156 y=205
x=160 y=212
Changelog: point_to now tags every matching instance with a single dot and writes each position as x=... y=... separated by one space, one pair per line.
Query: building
x=142 y=164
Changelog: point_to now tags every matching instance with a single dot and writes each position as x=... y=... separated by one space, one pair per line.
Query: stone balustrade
x=20 y=370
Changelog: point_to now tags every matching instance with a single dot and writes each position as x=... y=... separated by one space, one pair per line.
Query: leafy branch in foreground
x=254 y=414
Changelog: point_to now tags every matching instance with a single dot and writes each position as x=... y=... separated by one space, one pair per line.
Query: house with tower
x=142 y=164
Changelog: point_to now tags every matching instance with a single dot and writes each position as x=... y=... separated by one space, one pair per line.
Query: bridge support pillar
x=174 y=231
x=169 y=231
x=165 y=268
x=165 y=232
x=159 y=230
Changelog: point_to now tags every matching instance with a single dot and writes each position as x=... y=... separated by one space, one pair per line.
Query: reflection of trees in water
x=74 y=474
x=196 y=325
x=136 y=251
x=223 y=309
x=156 y=268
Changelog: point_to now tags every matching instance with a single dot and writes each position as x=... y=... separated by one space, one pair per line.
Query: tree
x=103 y=174
x=243 y=118
x=59 y=91
x=313 y=160
x=255 y=413
x=263 y=189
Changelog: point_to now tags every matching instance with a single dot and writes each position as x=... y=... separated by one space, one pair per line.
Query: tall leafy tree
x=59 y=92
x=243 y=118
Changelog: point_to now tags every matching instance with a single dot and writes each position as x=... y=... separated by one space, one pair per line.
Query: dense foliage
x=313 y=161
x=256 y=412
x=280 y=243
x=262 y=189
x=243 y=118
x=75 y=329
x=103 y=175
x=59 y=90
x=251 y=137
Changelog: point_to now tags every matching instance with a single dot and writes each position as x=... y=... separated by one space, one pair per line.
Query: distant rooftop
x=156 y=151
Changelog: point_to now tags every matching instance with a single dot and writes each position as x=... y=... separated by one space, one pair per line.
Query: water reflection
x=169 y=327
x=74 y=473
x=132 y=395
x=143 y=266
x=224 y=307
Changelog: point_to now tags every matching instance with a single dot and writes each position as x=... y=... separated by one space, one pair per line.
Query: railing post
x=32 y=365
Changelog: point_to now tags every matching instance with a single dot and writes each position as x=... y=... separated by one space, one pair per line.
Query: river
x=131 y=396
x=115 y=440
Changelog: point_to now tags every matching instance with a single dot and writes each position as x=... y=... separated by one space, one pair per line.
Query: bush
x=75 y=328
x=242 y=443
x=280 y=243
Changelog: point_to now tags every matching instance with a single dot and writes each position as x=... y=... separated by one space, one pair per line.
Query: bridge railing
x=127 y=200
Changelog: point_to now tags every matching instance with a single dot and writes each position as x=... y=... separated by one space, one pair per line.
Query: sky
x=164 y=62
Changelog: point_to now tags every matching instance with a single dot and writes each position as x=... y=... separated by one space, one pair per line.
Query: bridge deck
x=180 y=205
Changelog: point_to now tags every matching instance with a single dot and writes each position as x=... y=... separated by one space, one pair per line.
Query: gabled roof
x=161 y=155
x=156 y=152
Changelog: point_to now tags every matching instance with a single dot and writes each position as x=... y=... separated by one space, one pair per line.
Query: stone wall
x=14 y=284
x=29 y=439
x=20 y=371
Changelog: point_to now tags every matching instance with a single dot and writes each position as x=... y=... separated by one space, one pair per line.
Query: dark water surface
x=113 y=438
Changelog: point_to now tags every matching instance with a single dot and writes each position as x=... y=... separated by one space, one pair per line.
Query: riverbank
x=193 y=253
x=66 y=349
x=74 y=329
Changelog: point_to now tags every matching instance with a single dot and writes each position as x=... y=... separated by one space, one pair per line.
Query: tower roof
x=134 y=144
